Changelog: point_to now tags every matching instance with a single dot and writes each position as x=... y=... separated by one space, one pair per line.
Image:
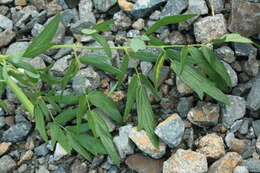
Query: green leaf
x=91 y=122
x=66 y=115
x=81 y=111
x=57 y=135
x=40 y=123
x=103 y=42
x=234 y=37
x=106 y=104
x=155 y=41
x=99 y=62
x=169 y=20
x=70 y=99
x=123 y=69
x=184 y=57
x=88 y=31
x=43 y=41
x=146 y=119
x=84 y=127
x=104 y=26
x=199 y=83
x=157 y=69
x=130 y=96
x=137 y=44
x=144 y=56
x=148 y=84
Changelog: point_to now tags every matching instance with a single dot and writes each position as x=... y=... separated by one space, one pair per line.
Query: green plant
x=196 y=65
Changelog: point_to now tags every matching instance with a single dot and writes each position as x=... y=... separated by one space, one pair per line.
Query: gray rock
x=41 y=150
x=61 y=65
x=242 y=49
x=171 y=130
x=22 y=168
x=62 y=52
x=174 y=7
x=17 y=47
x=133 y=33
x=103 y=5
x=139 y=24
x=155 y=15
x=17 y=132
x=234 y=111
x=36 y=62
x=253 y=98
x=163 y=74
x=256 y=127
x=143 y=8
x=232 y=74
x=123 y=143
x=6 y=37
x=6 y=1
x=79 y=25
x=198 y=6
x=69 y=16
x=122 y=22
x=253 y=165
x=182 y=88
x=217 y=5
x=209 y=28
x=146 y=67
x=3 y=10
x=236 y=125
x=86 y=79
x=226 y=53
x=245 y=126
x=240 y=169
x=258 y=145
x=245 y=18
x=59 y=152
x=184 y=105
x=42 y=169
x=85 y=11
x=251 y=67
x=6 y=164
x=37 y=29
x=2 y=122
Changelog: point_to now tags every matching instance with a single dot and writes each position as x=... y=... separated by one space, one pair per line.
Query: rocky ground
x=196 y=136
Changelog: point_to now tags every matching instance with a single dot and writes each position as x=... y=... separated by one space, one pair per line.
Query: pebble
x=245 y=126
x=198 y=7
x=37 y=29
x=209 y=28
x=241 y=169
x=257 y=145
x=125 y=5
x=253 y=165
x=2 y=122
x=78 y=167
x=143 y=142
x=122 y=22
x=26 y=156
x=171 y=130
x=204 y=114
x=42 y=169
x=232 y=74
x=59 y=152
x=20 y=2
x=146 y=67
x=17 y=132
x=234 y=111
x=212 y=146
x=174 y=7
x=103 y=5
x=17 y=47
x=4 y=147
x=226 y=53
x=182 y=88
x=226 y=164
x=155 y=15
x=186 y=161
x=6 y=37
x=242 y=49
x=253 y=98
x=6 y=164
x=140 y=163
x=217 y=5
x=85 y=11
x=256 y=127
x=139 y=24
x=6 y=1
x=41 y=150
x=184 y=105
x=61 y=65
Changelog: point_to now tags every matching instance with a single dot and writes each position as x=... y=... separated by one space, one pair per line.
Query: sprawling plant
x=196 y=65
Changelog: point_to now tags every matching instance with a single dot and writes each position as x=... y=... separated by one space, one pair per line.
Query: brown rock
x=186 y=161
x=182 y=87
x=4 y=147
x=20 y=2
x=6 y=37
x=125 y=5
x=142 y=164
x=226 y=164
x=26 y=156
x=245 y=18
x=212 y=146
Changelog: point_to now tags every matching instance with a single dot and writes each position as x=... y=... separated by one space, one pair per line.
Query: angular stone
x=6 y=23
x=226 y=53
x=184 y=105
x=85 y=11
x=245 y=18
x=143 y=142
x=17 y=132
x=232 y=74
x=171 y=130
x=186 y=161
x=6 y=164
x=182 y=87
x=253 y=165
x=139 y=24
x=41 y=150
x=234 y=111
x=212 y=146
x=125 y=5
x=256 y=127
x=241 y=169
x=6 y=37
x=258 y=145
x=122 y=21
x=217 y=5
x=4 y=147
x=61 y=65
x=226 y=164
x=198 y=7
x=204 y=115
x=104 y=5
x=59 y=152
x=174 y=7
x=140 y=163
x=2 y=122
x=17 y=47
x=209 y=28
x=6 y=1
x=253 y=98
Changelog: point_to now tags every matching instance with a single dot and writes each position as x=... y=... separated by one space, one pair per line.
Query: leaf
x=146 y=119
x=81 y=110
x=88 y=31
x=43 y=41
x=70 y=99
x=103 y=42
x=106 y=104
x=137 y=44
x=123 y=69
x=199 y=83
x=184 y=57
x=155 y=41
x=76 y=146
x=148 y=84
x=40 y=123
x=91 y=122
x=157 y=69
x=234 y=37
x=104 y=26
x=84 y=127
x=144 y=56
x=99 y=62
x=66 y=115
x=57 y=135
x=169 y=20
x=130 y=96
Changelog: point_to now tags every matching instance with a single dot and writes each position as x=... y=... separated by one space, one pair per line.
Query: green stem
x=20 y=95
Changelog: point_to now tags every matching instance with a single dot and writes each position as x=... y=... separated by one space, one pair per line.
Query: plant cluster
x=196 y=65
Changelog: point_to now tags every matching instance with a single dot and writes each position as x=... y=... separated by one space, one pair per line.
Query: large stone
x=104 y=5
x=61 y=65
x=226 y=164
x=209 y=28
x=17 y=47
x=186 y=161
x=199 y=7
x=212 y=146
x=17 y=132
x=143 y=142
x=85 y=11
x=234 y=111
x=253 y=165
x=6 y=37
x=6 y=164
x=174 y=7
x=184 y=105
x=253 y=98
x=171 y=130
x=245 y=18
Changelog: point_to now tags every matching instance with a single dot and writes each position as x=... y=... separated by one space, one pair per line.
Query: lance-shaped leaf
x=184 y=57
x=84 y=127
x=104 y=26
x=157 y=69
x=57 y=135
x=66 y=115
x=145 y=81
x=70 y=99
x=144 y=56
x=81 y=111
x=43 y=41
x=40 y=122
x=234 y=37
x=123 y=69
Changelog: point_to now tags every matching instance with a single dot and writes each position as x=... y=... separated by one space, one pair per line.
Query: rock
x=245 y=126
x=20 y=2
x=186 y=161
x=39 y=4
x=174 y=7
x=256 y=127
x=42 y=169
x=85 y=11
x=133 y=33
x=241 y=169
x=212 y=146
x=79 y=25
x=4 y=147
x=155 y=15
x=253 y=165
x=6 y=1
x=37 y=29
x=17 y=47
x=122 y=22
x=2 y=122
x=198 y=6
x=251 y=67
x=53 y=7
x=61 y=65
x=78 y=167
x=36 y=62
x=85 y=79
x=125 y=5
x=226 y=164
x=17 y=132
x=62 y=52
x=182 y=88
x=41 y=150
x=184 y=105
x=6 y=164
x=209 y=28
x=103 y=5
x=232 y=74
x=26 y=156
x=234 y=111
x=22 y=168
x=226 y=53
x=217 y=5
x=6 y=37
x=253 y=98
x=146 y=67
x=59 y=152
x=143 y=8
x=164 y=73
x=257 y=145
x=204 y=115
x=244 y=18
x=242 y=49
x=123 y=143
x=177 y=37
x=140 y=163
x=171 y=130
x=139 y=24
x=143 y=142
